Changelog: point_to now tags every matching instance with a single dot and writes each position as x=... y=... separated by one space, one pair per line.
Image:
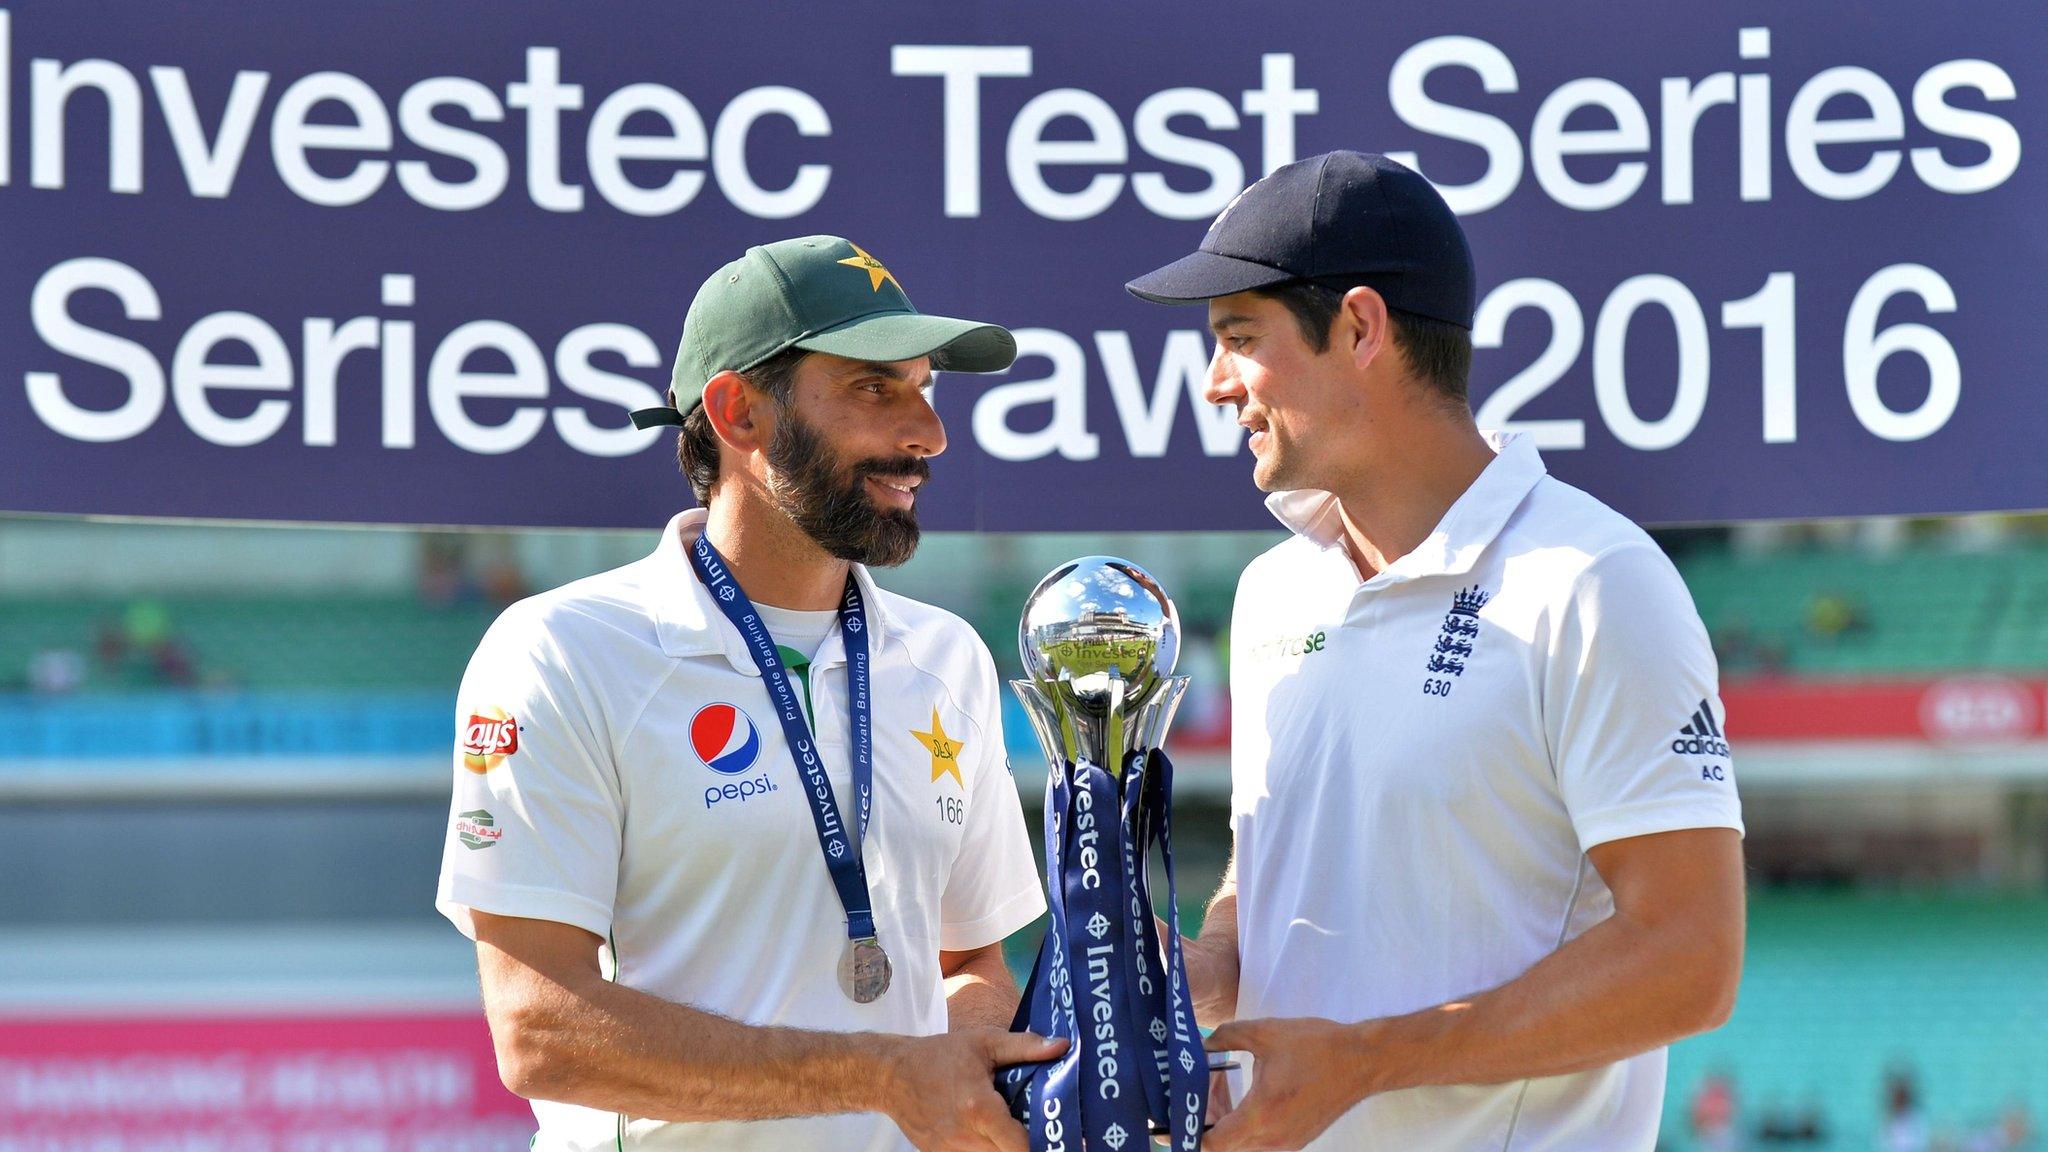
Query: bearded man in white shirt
x=689 y=935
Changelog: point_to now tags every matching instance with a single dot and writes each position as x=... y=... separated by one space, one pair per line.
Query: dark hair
x=1437 y=351
x=697 y=444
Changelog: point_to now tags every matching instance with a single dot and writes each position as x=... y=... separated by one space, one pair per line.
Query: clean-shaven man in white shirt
x=733 y=828
x=1487 y=847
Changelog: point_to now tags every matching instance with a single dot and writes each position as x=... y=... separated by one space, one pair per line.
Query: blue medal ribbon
x=1135 y=1057
x=842 y=853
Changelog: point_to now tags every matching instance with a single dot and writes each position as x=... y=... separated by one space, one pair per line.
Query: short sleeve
x=1632 y=706
x=995 y=888
x=536 y=817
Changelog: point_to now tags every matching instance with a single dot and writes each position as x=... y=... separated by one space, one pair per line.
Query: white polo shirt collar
x=1473 y=521
x=689 y=624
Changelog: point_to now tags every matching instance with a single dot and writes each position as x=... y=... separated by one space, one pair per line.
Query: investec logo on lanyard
x=1103 y=1010
x=715 y=575
x=1098 y=1088
x=863 y=968
x=1102 y=1007
x=1084 y=823
x=1140 y=938
x=1055 y=1126
x=814 y=774
x=1193 y=1106
x=1060 y=981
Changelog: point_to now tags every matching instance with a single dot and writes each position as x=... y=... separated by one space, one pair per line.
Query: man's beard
x=830 y=501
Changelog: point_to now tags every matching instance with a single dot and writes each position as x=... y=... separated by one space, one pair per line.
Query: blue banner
x=412 y=263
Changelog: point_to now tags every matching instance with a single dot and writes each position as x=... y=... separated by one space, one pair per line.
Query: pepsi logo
x=725 y=739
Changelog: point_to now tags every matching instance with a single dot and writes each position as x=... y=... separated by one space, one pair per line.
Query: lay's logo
x=489 y=737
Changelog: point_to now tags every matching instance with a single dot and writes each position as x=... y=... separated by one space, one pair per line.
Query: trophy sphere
x=1095 y=620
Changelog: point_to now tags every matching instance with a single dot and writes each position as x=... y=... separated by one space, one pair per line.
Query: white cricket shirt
x=1420 y=762
x=619 y=768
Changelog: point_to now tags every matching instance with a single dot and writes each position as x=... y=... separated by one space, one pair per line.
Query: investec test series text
x=647 y=151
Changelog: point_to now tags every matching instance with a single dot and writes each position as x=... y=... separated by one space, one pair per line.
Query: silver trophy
x=1099 y=639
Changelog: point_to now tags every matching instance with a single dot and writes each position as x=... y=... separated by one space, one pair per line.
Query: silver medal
x=864 y=970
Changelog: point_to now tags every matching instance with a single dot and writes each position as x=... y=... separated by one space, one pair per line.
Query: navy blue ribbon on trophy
x=1113 y=1107
x=1135 y=1057
x=1047 y=1096
x=1188 y=1068
x=1148 y=1005
x=842 y=855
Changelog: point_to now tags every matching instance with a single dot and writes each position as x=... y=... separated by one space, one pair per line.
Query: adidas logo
x=1702 y=737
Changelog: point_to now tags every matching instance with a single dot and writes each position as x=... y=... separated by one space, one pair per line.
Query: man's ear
x=736 y=418
x=1366 y=324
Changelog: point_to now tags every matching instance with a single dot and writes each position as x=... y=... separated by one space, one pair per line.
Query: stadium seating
x=266 y=642
x=1921 y=609
x=1839 y=987
x=1918 y=610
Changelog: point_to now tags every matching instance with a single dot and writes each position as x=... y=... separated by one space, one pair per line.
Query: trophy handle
x=1067 y=733
x=1157 y=712
x=1047 y=721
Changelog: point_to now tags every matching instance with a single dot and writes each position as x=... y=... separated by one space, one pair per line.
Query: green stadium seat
x=1837 y=988
x=1925 y=610
x=268 y=641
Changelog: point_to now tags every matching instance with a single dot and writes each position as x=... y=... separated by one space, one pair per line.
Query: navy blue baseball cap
x=1341 y=219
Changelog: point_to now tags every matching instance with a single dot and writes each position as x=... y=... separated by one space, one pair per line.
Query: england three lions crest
x=1455 y=641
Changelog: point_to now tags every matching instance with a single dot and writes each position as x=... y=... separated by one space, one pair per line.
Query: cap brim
x=953 y=345
x=1201 y=276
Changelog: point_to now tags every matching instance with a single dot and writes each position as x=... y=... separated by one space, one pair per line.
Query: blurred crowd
x=1826 y=618
x=464 y=568
x=1719 y=1123
x=137 y=648
x=139 y=645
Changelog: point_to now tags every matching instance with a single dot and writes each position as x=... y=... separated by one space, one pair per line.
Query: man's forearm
x=617 y=1049
x=1212 y=961
x=1616 y=991
x=981 y=993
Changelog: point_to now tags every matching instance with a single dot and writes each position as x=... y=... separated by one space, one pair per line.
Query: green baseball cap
x=821 y=294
